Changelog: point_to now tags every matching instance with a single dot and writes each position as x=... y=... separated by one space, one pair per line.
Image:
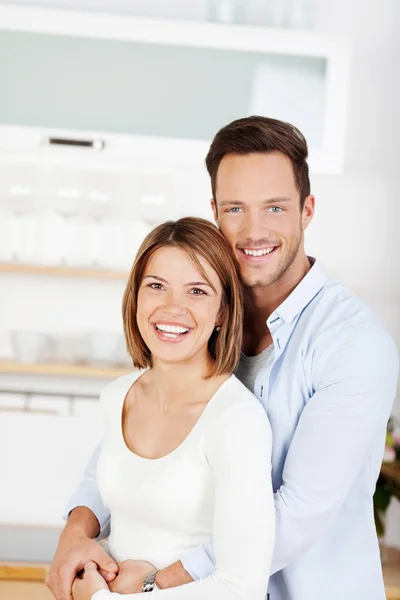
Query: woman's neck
x=172 y=384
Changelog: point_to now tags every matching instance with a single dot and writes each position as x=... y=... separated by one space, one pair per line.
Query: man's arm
x=355 y=386
x=86 y=517
x=88 y=495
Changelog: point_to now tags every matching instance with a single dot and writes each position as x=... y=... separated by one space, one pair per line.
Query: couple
x=185 y=467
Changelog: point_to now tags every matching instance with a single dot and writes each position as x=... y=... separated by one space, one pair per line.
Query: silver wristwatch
x=149 y=583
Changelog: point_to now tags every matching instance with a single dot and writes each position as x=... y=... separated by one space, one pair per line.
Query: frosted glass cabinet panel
x=153 y=89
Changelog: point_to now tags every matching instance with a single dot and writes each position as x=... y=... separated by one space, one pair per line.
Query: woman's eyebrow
x=155 y=277
x=186 y=284
x=200 y=283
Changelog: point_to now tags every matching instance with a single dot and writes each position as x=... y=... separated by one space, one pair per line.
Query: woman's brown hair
x=199 y=238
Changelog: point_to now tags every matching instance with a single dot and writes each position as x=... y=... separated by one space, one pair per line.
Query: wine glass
x=20 y=191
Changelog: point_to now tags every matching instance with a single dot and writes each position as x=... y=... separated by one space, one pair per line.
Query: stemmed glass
x=65 y=200
x=20 y=191
x=100 y=188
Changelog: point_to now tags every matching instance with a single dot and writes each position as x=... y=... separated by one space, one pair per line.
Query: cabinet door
x=153 y=89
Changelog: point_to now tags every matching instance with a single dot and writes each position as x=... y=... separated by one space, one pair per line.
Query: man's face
x=258 y=210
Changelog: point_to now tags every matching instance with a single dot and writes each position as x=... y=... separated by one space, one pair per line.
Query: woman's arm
x=238 y=449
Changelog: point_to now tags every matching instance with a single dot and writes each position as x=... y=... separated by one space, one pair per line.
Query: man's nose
x=254 y=227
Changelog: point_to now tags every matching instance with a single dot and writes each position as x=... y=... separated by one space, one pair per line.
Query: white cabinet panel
x=43 y=458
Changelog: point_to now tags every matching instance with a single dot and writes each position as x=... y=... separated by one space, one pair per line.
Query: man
x=320 y=363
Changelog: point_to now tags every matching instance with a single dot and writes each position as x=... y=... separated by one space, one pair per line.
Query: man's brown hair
x=199 y=238
x=257 y=135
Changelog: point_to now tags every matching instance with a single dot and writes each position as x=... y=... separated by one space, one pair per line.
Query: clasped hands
x=128 y=580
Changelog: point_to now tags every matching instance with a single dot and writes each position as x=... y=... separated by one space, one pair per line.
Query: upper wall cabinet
x=169 y=80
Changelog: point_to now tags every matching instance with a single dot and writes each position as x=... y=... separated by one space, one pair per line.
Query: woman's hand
x=131 y=575
x=91 y=582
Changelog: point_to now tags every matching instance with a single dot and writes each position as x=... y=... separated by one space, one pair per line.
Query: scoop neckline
x=184 y=441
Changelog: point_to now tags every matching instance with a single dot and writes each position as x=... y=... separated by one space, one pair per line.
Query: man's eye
x=197 y=292
x=275 y=209
x=234 y=209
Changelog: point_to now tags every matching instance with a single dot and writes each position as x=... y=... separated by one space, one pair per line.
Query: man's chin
x=259 y=281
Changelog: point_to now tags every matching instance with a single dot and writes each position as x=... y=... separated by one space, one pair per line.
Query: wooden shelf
x=62 y=271
x=64 y=370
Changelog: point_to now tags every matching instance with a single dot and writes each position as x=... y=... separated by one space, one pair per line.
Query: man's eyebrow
x=278 y=199
x=275 y=200
x=231 y=203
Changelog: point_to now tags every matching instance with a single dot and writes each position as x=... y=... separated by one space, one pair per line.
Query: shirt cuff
x=102 y=595
x=97 y=507
x=197 y=563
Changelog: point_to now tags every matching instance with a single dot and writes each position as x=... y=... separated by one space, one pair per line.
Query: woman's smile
x=171 y=332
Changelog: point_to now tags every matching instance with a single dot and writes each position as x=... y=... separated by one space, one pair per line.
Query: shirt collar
x=304 y=292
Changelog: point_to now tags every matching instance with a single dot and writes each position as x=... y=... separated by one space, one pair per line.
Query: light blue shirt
x=328 y=395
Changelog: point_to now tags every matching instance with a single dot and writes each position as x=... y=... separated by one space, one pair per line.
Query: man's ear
x=214 y=209
x=308 y=211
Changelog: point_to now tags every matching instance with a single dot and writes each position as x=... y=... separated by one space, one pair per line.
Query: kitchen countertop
x=21 y=546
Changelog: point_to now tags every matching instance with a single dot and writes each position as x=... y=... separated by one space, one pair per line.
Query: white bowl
x=67 y=349
x=31 y=346
x=103 y=346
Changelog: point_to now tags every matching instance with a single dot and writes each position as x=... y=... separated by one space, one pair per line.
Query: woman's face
x=177 y=310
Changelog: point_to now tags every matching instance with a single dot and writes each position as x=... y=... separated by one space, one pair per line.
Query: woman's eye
x=197 y=292
x=156 y=286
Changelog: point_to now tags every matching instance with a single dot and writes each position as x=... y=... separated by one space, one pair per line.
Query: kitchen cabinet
x=168 y=84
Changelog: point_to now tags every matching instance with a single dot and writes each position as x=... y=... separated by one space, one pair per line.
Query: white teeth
x=171 y=328
x=258 y=252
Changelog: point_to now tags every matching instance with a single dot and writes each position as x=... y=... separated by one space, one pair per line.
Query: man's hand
x=91 y=582
x=75 y=549
x=130 y=576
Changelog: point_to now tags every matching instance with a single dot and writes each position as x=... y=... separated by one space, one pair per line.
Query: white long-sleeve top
x=216 y=484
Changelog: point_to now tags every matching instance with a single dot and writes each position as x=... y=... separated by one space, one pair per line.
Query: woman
x=187 y=452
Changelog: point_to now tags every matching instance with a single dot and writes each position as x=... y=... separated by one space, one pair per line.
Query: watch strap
x=149 y=583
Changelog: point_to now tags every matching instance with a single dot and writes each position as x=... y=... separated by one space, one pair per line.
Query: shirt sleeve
x=355 y=387
x=88 y=495
x=238 y=450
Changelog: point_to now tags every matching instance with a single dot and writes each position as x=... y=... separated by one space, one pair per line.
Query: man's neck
x=261 y=301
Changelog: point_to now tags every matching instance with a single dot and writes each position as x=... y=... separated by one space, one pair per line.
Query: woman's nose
x=174 y=305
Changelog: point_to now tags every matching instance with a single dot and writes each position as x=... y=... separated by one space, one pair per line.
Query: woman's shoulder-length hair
x=199 y=238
